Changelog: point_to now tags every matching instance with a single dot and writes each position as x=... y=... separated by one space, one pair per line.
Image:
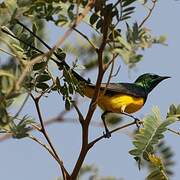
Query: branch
x=44 y=145
x=81 y=118
x=58 y=119
x=28 y=68
x=85 y=37
x=22 y=106
x=43 y=131
x=92 y=106
x=173 y=131
x=91 y=144
x=149 y=14
x=80 y=17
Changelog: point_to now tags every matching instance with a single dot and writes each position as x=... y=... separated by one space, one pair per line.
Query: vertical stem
x=82 y=155
x=92 y=107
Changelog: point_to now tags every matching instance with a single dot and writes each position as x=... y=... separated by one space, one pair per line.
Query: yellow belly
x=118 y=103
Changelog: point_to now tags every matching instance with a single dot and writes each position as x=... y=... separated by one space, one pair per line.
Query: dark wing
x=124 y=88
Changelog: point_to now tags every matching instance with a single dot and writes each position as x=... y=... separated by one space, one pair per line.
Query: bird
x=123 y=98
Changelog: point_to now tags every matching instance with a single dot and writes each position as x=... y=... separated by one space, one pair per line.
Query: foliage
x=30 y=69
x=174 y=111
x=147 y=138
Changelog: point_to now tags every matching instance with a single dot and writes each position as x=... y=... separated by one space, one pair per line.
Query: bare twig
x=85 y=37
x=58 y=119
x=81 y=118
x=149 y=14
x=44 y=145
x=173 y=131
x=79 y=18
x=23 y=104
x=11 y=54
x=111 y=72
x=91 y=144
x=116 y=73
x=43 y=131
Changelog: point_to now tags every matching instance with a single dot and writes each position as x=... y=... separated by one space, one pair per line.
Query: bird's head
x=149 y=81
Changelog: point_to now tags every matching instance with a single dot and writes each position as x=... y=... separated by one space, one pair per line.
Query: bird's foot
x=137 y=122
x=107 y=133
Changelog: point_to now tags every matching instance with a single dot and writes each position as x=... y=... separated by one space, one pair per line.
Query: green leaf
x=128 y=9
x=93 y=18
x=157 y=175
x=99 y=24
x=61 y=54
x=42 y=86
x=20 y=129
x=7 y=73
x=151 y=133
x=39 y=66
x=4 y=118
x=67 y=104
x=166 y=154
x=127 y=2
x=58 y=83
x=43 y=78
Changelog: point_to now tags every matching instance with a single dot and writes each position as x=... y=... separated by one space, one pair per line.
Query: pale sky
x=24 y=159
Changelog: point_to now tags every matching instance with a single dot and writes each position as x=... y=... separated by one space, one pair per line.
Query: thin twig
x=44 y=145
x=11 y=54
x=80 y=17
x=173 y=131
x=23 y=104
x=85 y=37
x=91 y=144
x=149 y=14
x=81 y=118
x=116 y=73
x=43 y=130
x=58 y=119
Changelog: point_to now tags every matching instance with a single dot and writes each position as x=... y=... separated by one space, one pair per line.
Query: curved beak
x=164 y=77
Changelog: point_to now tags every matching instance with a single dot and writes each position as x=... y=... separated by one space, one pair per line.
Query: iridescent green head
x=149 y=81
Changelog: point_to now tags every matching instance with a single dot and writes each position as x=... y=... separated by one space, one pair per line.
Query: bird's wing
x=124 y=88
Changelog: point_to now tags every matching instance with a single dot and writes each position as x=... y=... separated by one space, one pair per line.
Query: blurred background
x=24 y=159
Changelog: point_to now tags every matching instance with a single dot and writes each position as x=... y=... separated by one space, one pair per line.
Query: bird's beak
x=164 y=77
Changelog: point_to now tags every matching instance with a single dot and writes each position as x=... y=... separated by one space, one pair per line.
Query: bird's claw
x=107 y=134
x=137 y=122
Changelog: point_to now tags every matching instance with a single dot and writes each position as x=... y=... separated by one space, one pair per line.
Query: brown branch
x=149 y=14
x=92 y=106
x=85 y=37
x=58 y=119
x=43 y=131
x=116 y=73
x=44 y=145
x=91 y=144
x=79 y=18
x=81 y=118
x=173 y=131
x=111 y=72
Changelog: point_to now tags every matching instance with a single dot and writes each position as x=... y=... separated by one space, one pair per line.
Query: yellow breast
x=117 y=103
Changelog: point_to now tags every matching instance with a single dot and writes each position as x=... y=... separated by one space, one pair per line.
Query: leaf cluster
x=174 y=111
x=149 y=136
x=109 y=12
x=136 y=39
